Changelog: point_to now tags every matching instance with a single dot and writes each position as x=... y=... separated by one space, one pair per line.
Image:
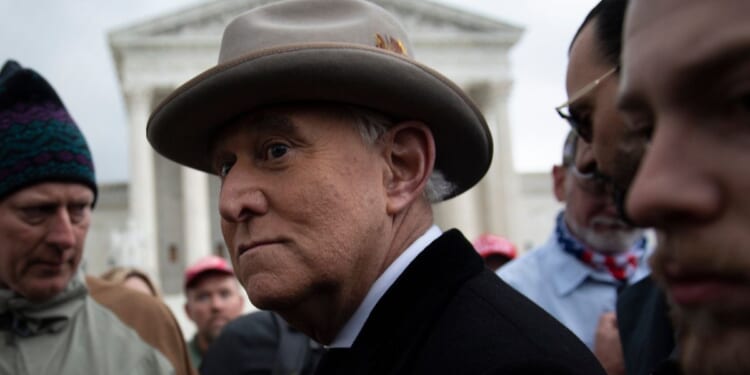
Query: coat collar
x=406 y=312
x=26 y=318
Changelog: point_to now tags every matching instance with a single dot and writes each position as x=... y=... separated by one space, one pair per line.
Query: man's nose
x=61 y=231
x=217 y=301
x=673 y=185
x=584 y=158
x=241 y=196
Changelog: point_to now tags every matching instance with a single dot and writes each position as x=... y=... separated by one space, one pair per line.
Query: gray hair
x=372 y=125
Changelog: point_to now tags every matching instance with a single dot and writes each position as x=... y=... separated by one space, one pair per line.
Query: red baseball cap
x=489 y=244
x=211 y=263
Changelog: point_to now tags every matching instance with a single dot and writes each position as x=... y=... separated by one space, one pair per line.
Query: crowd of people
x=332 y=143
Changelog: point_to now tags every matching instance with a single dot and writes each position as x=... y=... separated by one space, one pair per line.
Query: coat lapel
x=403 y=318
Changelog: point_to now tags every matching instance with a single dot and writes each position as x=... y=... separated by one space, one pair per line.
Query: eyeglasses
x=592 y=182
x=583 y=130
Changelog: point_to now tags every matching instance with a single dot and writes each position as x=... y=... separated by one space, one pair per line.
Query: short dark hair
x=609 y=16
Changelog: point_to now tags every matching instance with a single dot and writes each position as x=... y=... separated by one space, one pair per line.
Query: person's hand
x=607 y=346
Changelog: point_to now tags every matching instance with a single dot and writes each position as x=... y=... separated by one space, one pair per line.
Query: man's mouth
x=51 y=262
x=245 y=247
x=696 y=289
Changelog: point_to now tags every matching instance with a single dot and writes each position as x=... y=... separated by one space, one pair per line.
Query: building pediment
x=422 y=19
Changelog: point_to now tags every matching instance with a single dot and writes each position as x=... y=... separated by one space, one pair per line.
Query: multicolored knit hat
x=39 y=141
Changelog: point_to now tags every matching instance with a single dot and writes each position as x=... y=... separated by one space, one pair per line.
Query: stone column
x=196 y=216
x=142 y=192
x=502 y=192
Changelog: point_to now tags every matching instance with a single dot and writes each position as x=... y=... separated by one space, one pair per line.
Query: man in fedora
x=331 y=143
x=53 y=319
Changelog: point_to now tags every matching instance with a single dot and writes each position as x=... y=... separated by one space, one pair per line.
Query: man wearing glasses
x=593 y=81
x=591 y=254
x=591 y=109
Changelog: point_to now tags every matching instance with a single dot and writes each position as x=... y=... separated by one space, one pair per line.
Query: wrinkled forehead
x=51 y=190
x=259 y=121
x=282 y=118
x=277 y=120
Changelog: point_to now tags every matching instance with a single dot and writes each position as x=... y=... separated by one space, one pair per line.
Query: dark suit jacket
x=448 y=314
x=648 y=341
x=259 y=343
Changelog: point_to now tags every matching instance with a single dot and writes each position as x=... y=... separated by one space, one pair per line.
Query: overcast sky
x=66 y=41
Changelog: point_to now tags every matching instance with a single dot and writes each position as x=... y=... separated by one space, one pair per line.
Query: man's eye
x=38 y=212
x=582 y=125
x=224 y=168
x=78 y=211
x=276 y=150
x=640 y=125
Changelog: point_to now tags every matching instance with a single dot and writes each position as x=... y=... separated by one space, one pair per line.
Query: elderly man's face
x=303 y=207
x=687 y=76
x=615 y=149
x=590 y=212
x=42 y=229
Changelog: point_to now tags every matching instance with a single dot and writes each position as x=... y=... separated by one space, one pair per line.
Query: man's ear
x=559 y=173
x=409 y=151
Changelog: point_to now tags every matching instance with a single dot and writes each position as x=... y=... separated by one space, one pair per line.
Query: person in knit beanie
x=39 y=141
x=53 y=319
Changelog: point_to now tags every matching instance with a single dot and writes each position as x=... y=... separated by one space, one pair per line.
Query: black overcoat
x=448 y=314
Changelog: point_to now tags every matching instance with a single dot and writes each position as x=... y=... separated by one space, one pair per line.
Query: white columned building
x=175 y=208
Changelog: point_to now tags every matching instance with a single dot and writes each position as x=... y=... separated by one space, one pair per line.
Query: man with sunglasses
x=591 y=254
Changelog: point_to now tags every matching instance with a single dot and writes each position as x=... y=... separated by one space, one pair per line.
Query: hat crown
x=348 y=52
x=210 y=263
x=303 y=22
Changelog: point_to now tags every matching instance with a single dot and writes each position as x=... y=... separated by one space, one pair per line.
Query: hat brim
x=184 y=125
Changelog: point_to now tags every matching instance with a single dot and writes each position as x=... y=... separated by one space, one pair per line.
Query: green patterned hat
x=39 y=141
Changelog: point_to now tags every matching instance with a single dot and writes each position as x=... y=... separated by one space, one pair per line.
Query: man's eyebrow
x=630 y=100
x=266 y=122
x=694 y=71
x=261 y=122
x=721 y=58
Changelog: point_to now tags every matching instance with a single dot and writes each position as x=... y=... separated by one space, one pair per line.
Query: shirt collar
x=567 y=274
x=351 y=329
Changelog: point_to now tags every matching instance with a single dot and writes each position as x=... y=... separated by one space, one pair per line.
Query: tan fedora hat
x=341 y=51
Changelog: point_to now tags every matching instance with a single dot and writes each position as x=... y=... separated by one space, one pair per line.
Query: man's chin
x=710 y=343
x=613 y=240
x=43 y=289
